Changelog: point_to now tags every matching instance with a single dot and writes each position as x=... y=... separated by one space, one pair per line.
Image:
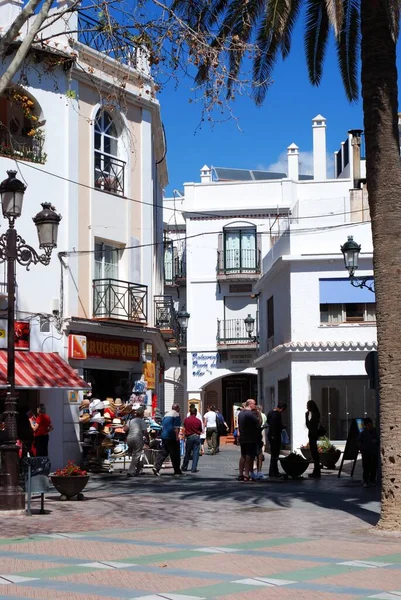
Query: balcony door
x=106 y=278
x=240 y=250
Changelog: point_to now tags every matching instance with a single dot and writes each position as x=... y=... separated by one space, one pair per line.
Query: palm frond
x=287 y=33
x=316 y=36
x=348 y=44
x=274 y=32
x=393 y=10
x=335 y=12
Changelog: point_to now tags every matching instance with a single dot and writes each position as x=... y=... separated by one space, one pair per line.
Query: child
x=368 y=444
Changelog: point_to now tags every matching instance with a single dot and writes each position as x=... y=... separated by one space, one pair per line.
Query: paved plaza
x=203 y=536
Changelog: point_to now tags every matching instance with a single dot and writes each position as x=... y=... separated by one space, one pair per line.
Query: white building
x=237 y=243
x=98 y=154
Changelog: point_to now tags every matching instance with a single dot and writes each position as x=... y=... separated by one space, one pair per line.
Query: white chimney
x=9 y=11
x=319 y=148
x=293 y=162
x=205 y=174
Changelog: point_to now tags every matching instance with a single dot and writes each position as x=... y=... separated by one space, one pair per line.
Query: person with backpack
x=222 y=428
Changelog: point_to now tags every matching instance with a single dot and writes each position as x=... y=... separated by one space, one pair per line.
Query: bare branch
x=23 y=50
x=15 y=27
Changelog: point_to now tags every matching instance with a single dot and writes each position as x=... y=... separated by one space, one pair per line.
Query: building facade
x=82 y=126
x=237 y=227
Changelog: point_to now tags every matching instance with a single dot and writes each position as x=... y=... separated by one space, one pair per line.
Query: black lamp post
x=249 y=327
x=14 y=249
x=183 y=319
x=351 y=252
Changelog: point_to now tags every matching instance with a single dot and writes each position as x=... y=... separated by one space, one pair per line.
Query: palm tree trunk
x=383 y=168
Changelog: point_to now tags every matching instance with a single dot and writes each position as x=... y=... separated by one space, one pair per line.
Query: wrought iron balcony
x=109 y=173
x=175 y=270
x=232 y=332
x=115 y=299
x=103 y=38
x=238 y=264
x=21 y=147
x=166 y=318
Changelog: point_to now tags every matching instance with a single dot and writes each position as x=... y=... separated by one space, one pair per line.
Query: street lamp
x=249 y=327
x=14 y=249
x=351 y=252
x=183 y=319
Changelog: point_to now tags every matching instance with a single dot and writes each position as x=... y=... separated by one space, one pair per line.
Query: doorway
x=236 y=389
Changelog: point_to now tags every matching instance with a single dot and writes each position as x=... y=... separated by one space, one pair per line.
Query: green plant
x=70 y=470
x=324 y=445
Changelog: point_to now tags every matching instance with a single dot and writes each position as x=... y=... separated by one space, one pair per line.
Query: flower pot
x=329 y=459
x=307 y=454
x=70 y=486
x=294 y=466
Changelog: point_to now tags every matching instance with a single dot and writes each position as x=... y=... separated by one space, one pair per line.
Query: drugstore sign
x=102 y=346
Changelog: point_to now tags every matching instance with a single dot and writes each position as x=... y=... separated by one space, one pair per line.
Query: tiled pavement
x=210 y=537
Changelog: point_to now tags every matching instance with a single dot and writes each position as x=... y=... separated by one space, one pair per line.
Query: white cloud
x=305 y=164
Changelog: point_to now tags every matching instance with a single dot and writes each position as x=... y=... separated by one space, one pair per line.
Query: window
x=168 y=262
x=106 y=261
x=21 y=133
x=109 y=169
x=354 y=312
x=270 y=317
x=240 y=253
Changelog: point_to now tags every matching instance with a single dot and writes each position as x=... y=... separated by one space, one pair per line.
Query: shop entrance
x=236 y=389
x=113 y=384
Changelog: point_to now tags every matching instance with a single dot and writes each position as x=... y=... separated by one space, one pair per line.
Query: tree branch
x=15 y=27
x=25 y=46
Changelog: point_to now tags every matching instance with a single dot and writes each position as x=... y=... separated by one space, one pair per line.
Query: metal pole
x=11 y=495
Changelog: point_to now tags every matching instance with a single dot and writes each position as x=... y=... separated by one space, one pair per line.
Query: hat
x=120 y=449
x=92 y=429
x=106 y=429
x=96 y=404
x=84 y=418
x=125 y=409
x=118 y=402
x=117 y=422
x=97 y=418
x=84 y=404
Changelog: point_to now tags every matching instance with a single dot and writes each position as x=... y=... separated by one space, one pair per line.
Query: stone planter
x=327 y=459
x=69 y=487
x=294 y=466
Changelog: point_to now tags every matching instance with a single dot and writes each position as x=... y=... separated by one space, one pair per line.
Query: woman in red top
x=41 y=426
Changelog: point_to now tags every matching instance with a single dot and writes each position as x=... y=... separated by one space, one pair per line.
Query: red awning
x=40 y=370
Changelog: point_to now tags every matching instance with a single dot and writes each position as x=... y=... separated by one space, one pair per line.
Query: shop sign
x=149 y=372
x=241 y=359
x=77 y=347
x=203 y=362
x=21 y=335
x=104 y=346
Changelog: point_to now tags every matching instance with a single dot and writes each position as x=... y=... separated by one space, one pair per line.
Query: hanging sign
x=149 y=372
x=21 y=335
x=77 y=347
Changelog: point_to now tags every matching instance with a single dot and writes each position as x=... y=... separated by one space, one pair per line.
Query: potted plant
x=328 y=453
x=294 y=465
x=70 y=481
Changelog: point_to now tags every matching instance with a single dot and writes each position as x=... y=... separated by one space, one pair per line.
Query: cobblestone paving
x=203 y=538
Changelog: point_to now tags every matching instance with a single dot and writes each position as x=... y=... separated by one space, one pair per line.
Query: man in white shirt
x=210 y=423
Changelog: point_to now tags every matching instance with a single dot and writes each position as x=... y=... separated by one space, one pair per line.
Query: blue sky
x=285 y=117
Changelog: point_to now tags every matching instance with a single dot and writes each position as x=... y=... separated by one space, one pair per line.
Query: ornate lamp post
x=14 y=249
x=351 y=252
x=249 y=327
x=183 y=319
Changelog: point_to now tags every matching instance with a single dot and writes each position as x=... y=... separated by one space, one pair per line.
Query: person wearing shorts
x=249 y=437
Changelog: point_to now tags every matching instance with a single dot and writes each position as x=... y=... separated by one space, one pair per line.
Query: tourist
x=136 y=430
x=193 y=429
x=369 y=445
x=260 y=449
x=312 y=420
x=249 y=436
x=222 y=428
x=171 y=424
x=41 y=426
x=210 y=423
x=275 y=423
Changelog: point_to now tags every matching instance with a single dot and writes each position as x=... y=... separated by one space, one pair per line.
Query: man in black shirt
x=275 y=423
x=249 y=436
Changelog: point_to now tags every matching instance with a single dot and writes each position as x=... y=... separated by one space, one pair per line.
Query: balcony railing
x=238 y=262
x=166 y=316
x=21 y=147
x=232 y=332
x=175 y=270
x=115 y=299
x=109 y=173
x=103 y=38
